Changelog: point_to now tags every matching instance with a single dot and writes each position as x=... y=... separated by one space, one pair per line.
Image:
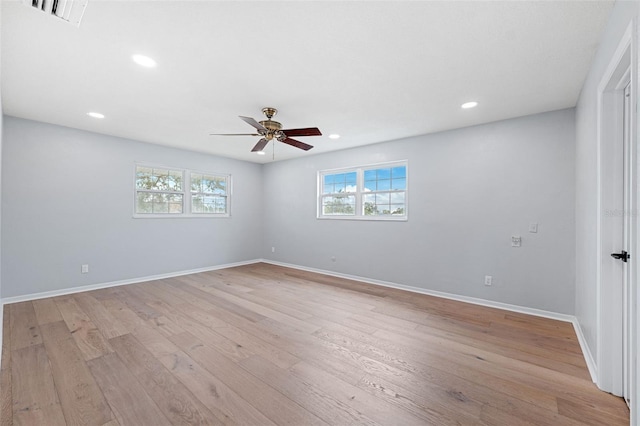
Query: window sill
x=181 y=216
x=366 y=218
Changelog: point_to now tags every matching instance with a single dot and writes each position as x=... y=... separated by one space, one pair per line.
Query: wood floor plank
x=201 y=282
x=274 y=405
x=230 y=406
x=89 y=339
x=81 y=398
x=212 y=338
x=175 y=401
x=423 y=362
x=120 y=389
x=262 y=344
x=46 y=311
x=35 y=401
x=322 y=404
x=24 y=326
x=590 y=414
x=433 y=404
x=252 y=306
x=375 y=408
x=108 y=325
x=146 y=334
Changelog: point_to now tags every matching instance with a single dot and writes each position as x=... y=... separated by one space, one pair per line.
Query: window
x=171 y=192
x=375 y=192
x=208 y=194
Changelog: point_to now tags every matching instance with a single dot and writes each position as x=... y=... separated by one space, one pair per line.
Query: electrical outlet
x=533 y=228
x=84 y=269
x=516 y=241
x=273 y=249
x=488 y=280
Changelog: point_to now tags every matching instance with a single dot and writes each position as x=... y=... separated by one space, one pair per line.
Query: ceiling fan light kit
x=270 y=129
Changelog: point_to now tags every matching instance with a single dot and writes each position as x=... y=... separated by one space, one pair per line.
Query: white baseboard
x=588 y=357
x=71 y=290
x=591 y=365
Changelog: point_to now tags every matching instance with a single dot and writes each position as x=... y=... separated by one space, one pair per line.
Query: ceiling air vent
x=70 y=11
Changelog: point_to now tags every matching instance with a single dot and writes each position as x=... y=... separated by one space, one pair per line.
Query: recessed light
x=334 y=136
x=144 y=61
x=95 y=115
x=468 y=105
x=260 y=152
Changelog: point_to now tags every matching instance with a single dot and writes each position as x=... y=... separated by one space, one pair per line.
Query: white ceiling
x=370 y=71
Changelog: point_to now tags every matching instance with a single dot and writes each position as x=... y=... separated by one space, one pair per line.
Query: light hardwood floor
x=266 y=345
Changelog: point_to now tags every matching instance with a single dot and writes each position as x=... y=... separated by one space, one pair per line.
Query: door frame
x=610 y=299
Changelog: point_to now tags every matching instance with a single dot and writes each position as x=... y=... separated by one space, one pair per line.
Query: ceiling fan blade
x=252 y=122
x=309 y=131
x=260 y=145
x=297 y=144
x=234 y=134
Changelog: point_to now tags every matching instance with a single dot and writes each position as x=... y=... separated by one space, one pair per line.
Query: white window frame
x=186 y=193
x=360 y=192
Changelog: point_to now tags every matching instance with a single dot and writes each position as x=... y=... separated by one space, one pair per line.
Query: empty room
x=319 y=212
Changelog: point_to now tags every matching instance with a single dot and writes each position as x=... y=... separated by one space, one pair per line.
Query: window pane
x=144 y=203
x=339 y=205
x=174 y=180
x=397 y=197
x=158 y=179
x=221 y=186
x=158 y=203
x=399 y=172
x=369 y=208
x=384 y=185
x=143 y=177
x=339 y=183
x=339 y=187
x=208 y=184
x=196 y=183
x=383 y=198
x=369 y=175
x=400 y=183
x=383 y=174
x=397 y=209
x=208 y=204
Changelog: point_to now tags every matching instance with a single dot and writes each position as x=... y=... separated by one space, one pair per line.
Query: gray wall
x=586 y=172
x=470 y=190
x=67 y=200
x=1 y=133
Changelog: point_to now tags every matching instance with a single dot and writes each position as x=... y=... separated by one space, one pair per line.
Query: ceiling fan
x=270 y=129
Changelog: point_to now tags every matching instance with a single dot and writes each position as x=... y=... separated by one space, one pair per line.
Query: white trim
x=608 y=345
x=451 y=296
x=79 y=289
x=588 y=356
